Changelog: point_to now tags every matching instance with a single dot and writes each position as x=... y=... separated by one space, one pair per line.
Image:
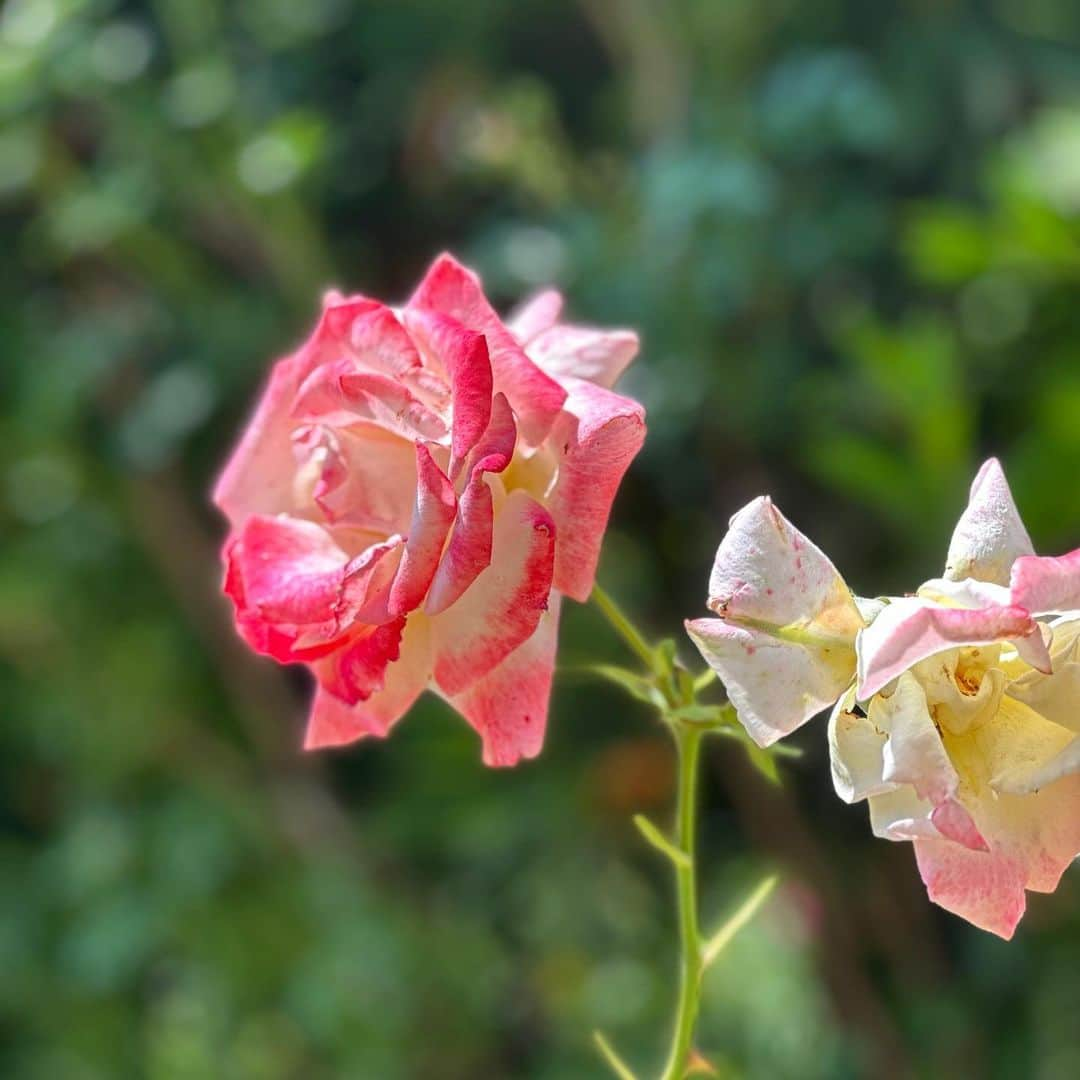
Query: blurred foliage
x=849 y=234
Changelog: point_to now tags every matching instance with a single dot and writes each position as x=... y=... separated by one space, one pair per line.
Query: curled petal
x=855 y=753
x=503 y=606
x=508 y=706
x=296 y=592
x=596 y=438
x=1047 y=585
x=469 y=550
x=450 y=289
x=989 y=535
x=432 y=516
x=913 y=753
x=463 y=354
x=911 y=629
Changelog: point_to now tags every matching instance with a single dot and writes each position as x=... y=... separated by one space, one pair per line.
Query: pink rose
x=415 y=491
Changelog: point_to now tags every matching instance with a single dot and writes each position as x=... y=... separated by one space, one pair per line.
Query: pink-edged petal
x=1047 y=585
x=258 y=478
x=783 y=602
x=584 y=352
x=357 y=669
x=340 y=394
x=911 y=629
x=463 y=354
x=296 y=592
x=984 y=888
x=990 y=534
x=775 y=686
x=503 y=606
x=451 y=289
x=433 y=514
x=595 y=440
x=333 y=722
x=508 y=706
x=469 y=551
x=535 y=315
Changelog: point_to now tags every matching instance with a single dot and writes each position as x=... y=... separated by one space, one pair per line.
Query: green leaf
x=743 y=914
x=764 y=761
x=704 y=715
x=618 y=1066
x=659 y=841
x=636 y=685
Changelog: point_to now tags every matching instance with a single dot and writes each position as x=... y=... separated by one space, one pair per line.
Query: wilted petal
x=451 y=289
x=508 y=706
x=503 y=606
x=989 y=535
x=433 y=514
x=788 y=645
x=910 y=629
x=332 y=722
x=595 y=439
x=583 y=352
x=1047 y=585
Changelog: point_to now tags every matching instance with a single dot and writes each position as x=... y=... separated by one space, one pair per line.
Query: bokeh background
x=848 y=233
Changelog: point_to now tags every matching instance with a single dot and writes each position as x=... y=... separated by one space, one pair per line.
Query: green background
x=848 y=233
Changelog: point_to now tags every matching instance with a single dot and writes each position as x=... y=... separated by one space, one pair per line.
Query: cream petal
x=990 y=534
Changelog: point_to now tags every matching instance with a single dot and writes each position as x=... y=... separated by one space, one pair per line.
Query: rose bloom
x=416 y=490
x=958 y=717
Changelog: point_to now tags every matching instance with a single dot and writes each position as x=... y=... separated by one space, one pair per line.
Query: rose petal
x=357 y=669
x=785 y=605
x=535 y=315
x=596 y=438
x=1055 y=696
x=1047 y=585
x=463 y=354
x=296 y=591
x=855 y=753
x=433 y=514
x=911 y=629
x=913 y=753
x=502 y=607
x=584 y=352
x=774 y=685
x=989 y=535
x=332 y=722
x=469 y=550
x=508 y=706
x=451 y=289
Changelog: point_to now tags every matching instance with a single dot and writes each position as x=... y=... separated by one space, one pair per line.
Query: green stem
x=623 y=626
x=688 y=743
